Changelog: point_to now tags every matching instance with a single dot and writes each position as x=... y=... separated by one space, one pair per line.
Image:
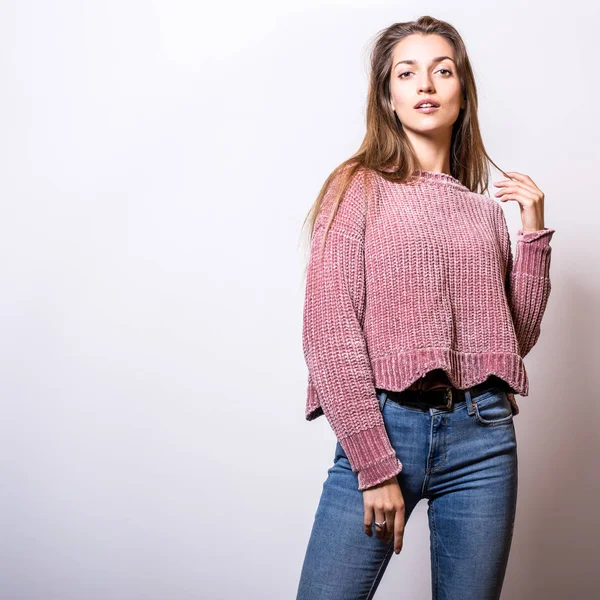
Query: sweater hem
x=397 y=372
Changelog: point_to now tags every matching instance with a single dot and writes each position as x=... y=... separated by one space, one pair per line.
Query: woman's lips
x=428 y=109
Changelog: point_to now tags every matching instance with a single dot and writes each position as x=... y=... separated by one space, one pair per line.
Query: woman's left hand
x=529 y=197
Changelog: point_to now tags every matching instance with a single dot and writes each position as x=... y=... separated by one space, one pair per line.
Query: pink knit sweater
x=419 y=277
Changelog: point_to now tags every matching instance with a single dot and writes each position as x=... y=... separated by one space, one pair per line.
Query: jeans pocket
x=493 y=408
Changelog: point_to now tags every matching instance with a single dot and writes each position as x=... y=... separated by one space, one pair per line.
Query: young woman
x=416 y=322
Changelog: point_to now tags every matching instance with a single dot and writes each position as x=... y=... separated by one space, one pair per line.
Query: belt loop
x=383 y=399
x=449 y=399
x=470 y=408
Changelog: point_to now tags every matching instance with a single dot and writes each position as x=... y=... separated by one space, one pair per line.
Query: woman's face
x=416 y=75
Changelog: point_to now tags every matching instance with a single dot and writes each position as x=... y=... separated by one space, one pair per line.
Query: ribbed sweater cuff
x=533 y=252
x=379 y=472
x=371 y=456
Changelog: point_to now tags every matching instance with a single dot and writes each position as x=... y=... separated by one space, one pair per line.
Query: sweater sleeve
x=527 y=281
x=334 y=345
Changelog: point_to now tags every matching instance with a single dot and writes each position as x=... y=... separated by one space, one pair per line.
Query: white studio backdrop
x=158 y=159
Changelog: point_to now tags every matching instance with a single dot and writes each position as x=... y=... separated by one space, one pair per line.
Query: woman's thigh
x=341 y=561
x=472 y=494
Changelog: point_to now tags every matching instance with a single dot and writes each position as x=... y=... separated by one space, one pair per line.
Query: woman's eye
x=401 y=76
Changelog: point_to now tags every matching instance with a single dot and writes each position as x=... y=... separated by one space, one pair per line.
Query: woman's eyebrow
x=412 y=61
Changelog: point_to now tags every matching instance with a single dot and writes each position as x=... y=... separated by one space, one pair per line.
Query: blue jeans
x=464 y=461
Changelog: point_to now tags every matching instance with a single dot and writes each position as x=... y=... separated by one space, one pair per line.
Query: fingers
x=522 y=178
x=368 y=522
x=374 y=515
x=390 y=518
x=394 y=527
x=518 y=180
x=514 y=191
x=393 y=530
x=399 y=531
x=384 y=504
x=380 y=517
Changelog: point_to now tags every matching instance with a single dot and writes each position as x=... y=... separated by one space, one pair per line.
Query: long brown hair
x=385 y=148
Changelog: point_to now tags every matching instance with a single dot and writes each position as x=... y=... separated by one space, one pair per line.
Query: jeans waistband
x=443 y=397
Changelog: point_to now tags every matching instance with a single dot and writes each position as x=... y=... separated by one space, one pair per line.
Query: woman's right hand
x=384 y=502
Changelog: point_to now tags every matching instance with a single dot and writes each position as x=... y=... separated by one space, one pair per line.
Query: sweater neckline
x=438 y=178
x=443 y=178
